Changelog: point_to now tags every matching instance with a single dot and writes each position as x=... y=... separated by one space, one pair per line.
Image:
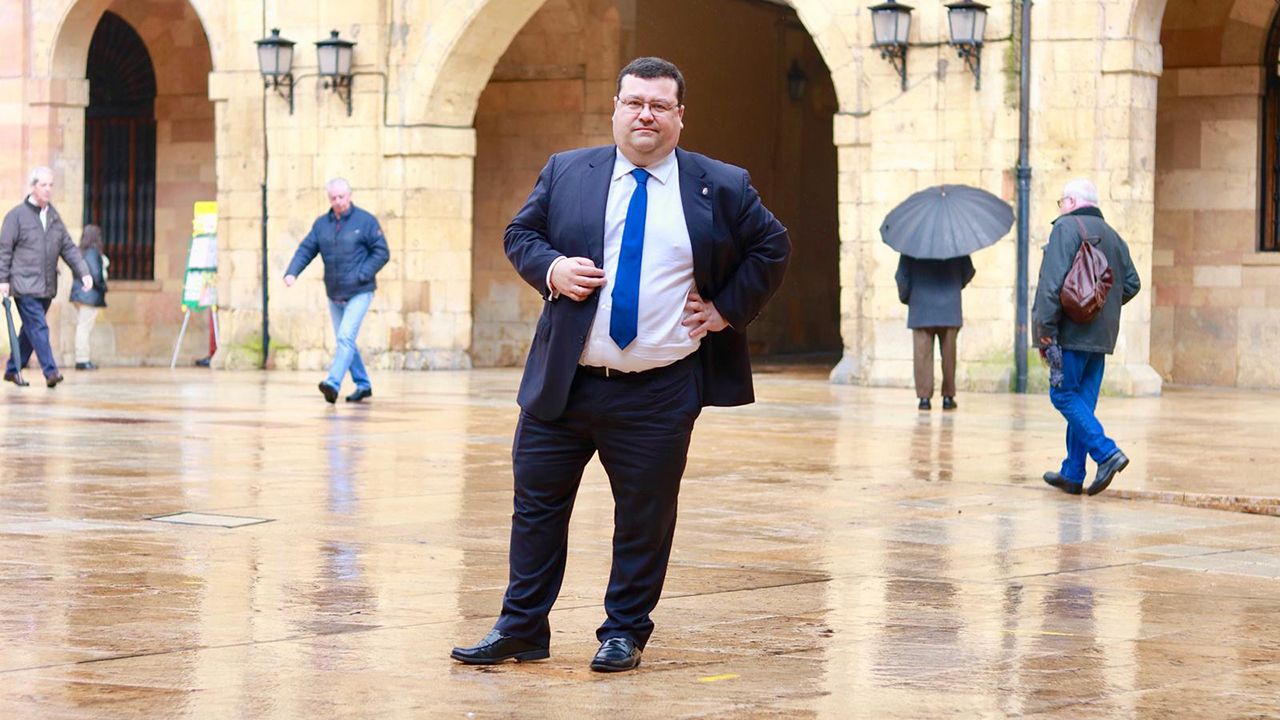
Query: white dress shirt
x=666 y=273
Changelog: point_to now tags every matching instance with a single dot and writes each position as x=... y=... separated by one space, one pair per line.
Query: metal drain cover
x=209 y=519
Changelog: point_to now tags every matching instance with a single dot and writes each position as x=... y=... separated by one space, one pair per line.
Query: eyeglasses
x=635 y=106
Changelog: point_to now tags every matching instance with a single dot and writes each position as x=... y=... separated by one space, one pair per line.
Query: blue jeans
x=1076 y=399
x=33 y=336
x=347 y=316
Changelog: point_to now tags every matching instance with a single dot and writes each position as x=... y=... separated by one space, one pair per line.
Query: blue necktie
x=626 y=284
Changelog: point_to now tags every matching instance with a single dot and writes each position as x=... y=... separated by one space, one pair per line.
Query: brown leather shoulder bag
x=1084 y=291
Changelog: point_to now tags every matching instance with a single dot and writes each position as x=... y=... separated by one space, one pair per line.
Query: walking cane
x=13 y=343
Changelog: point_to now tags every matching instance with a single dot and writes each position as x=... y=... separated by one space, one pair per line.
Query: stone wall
x=409 y=149
x=1216 y=319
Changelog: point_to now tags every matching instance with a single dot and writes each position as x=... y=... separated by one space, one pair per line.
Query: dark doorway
x=120 y=147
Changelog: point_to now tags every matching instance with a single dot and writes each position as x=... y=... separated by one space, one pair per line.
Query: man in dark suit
x=652 y=261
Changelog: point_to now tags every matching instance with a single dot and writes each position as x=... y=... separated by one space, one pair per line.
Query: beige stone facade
x=458 y=102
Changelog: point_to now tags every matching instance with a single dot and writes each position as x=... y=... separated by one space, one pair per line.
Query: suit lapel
x=594 y=197
x=695 y=197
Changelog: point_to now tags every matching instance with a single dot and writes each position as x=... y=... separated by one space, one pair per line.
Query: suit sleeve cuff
x=552 y=294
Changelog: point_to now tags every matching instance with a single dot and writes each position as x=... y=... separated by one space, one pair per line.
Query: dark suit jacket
x=740 y=253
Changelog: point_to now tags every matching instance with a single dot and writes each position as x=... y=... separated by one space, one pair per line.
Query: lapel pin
x=704 y=191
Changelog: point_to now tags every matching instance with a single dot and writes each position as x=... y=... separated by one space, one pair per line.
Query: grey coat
x=29 y=253
x=1049 y=320
x=931 y=290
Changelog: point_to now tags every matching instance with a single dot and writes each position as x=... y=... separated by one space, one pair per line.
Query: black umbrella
x=946 y=221
x=13 y=343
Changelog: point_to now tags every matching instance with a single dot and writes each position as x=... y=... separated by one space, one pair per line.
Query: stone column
x=1125 y=152
x=432 y=167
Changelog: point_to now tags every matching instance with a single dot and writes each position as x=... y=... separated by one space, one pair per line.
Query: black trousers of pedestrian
x=640 y=424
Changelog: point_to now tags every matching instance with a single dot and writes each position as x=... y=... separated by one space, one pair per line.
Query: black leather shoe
x=616 y=655
x=360 y=394
x=1067 y=486
x=52 y=380
x=13 y=378
x=496 y=648
x=948 y=403
x=924 y=404
x=205 y=362
x=329 y=392
x=1107 y=470
x=86 y=366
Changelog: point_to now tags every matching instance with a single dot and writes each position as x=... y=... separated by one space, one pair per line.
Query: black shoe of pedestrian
x=496 y=648
x=86 y=366
x=1063 y=484
x=329 y=392
x=948 y=403
x=13 y=378
x=1107 y=470
x=616 y=655
x=924 y=404
x=52 y=380
x=360 y=394
x=204 y=362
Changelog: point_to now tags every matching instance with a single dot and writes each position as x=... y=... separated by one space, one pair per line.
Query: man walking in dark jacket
x=354 y=249
x=32 y=239
x=1084 y=346
x=931 y=291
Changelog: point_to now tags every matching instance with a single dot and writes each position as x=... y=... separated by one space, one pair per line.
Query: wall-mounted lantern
x=968 y=21
x=334 y=58
x=891 y=22
x=797 y=81
x=275 y=62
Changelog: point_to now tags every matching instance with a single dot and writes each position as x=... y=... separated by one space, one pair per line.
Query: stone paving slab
x=839 y=555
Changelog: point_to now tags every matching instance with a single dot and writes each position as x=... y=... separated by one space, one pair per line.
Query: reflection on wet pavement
x=839 y=555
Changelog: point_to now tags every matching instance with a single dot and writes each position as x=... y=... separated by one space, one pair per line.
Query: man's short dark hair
x=649 y=68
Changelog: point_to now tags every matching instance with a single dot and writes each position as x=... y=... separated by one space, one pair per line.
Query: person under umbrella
x=931 y=291
x=936 y=230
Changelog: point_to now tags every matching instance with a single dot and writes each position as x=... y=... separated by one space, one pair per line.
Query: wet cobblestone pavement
x=839 y=555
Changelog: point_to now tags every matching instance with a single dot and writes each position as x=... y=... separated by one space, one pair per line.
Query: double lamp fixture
x=891 y=22
x=333 y=56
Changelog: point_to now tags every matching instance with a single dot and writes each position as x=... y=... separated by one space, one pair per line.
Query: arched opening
x=1215 y=194
x=759 y=96
x=120 y=147
x=134 y=159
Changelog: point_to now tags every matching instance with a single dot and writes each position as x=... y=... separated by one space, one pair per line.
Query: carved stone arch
x=456 y=60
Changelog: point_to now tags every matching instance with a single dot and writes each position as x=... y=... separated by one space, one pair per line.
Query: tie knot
x=641 y=175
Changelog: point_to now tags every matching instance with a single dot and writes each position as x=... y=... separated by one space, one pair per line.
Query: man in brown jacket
x=32 y=238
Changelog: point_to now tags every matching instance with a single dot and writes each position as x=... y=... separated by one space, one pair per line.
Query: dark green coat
x=1048 y=318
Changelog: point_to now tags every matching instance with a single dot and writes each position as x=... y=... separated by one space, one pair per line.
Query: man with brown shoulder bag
x=1077 y=320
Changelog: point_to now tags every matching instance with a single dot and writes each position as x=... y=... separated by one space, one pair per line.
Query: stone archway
x=143 y=317
x=1211 y=321
x=453 y=98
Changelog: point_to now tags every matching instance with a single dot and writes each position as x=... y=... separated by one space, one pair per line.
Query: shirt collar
x=33 y=204
x=660 y=171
